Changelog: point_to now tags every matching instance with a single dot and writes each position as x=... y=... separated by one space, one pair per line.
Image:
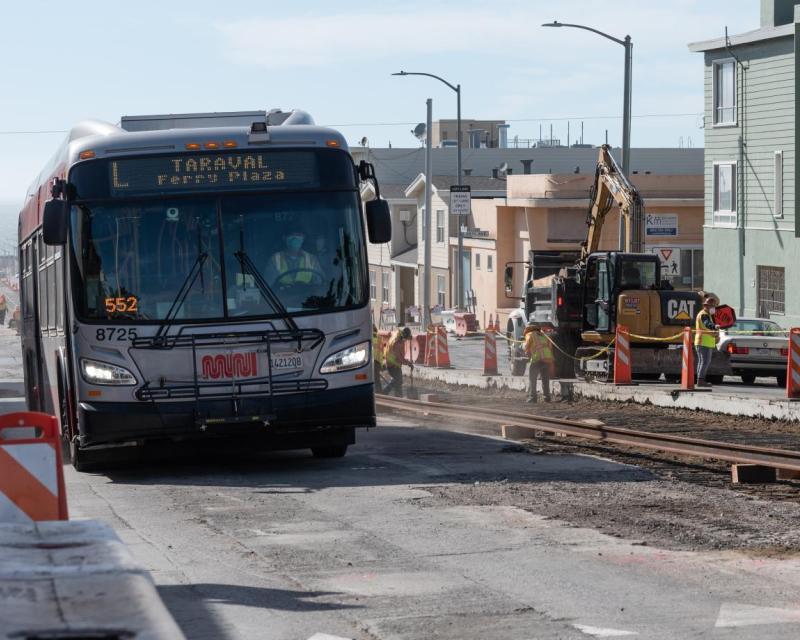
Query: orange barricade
x=442 y=353
x=31 y=473
x=622 y=356
x=793 y=364
x=418 y=342
x=687 y=369
x=490 y=354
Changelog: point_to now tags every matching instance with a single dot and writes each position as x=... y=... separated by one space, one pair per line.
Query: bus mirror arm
x=54 y=222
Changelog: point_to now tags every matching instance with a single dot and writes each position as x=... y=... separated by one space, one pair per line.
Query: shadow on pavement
x=384 y=456
x=192 y=605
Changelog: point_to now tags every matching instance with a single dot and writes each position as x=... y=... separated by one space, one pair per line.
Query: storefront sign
x=661 y=225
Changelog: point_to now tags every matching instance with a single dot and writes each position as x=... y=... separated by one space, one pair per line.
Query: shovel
x=411 y=392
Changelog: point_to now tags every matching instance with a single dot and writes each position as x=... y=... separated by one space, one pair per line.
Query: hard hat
x=711 y=300
x=405 y=333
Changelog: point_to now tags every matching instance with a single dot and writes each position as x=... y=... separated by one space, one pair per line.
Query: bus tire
x=329 y=451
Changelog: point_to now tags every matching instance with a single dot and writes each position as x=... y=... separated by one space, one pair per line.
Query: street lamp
x=626 y=104
x=460 y=260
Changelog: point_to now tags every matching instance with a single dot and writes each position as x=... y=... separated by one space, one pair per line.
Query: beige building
x=509 y=217
x=475 y=134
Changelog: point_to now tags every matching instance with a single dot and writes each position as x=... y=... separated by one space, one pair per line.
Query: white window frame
x=441 y=291
x=717 y=64
x=777 y=207
x=385 y=287
x=477 y=261
x=373 y=284
x=489 y=262
x=725 y=217
x=440 y=226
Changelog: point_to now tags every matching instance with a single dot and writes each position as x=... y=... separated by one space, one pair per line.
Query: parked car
x=757 y=348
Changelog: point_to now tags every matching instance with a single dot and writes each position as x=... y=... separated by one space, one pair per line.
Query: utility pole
x=426 y=220
x=460 y=303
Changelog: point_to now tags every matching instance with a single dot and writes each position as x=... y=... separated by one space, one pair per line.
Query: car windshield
x=230 y=253
x=756 y=327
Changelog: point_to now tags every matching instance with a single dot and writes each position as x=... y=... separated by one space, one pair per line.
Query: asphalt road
x=283 y=546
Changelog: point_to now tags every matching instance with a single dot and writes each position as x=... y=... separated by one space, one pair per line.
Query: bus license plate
x=287 y=361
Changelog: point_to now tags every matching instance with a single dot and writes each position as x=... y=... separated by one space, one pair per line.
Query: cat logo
x=680 y=309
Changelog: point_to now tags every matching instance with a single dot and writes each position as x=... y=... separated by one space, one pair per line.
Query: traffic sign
x=460 y=200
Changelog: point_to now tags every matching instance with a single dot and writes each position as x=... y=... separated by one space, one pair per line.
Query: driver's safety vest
x=538 y=347
x=306 y=262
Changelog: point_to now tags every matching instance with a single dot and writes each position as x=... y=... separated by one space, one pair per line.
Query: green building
x=751 y=233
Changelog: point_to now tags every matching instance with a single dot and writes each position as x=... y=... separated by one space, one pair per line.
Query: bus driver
x=293 y=265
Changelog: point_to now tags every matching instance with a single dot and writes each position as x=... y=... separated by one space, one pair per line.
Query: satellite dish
x=419 y=131
x=364 y=142
x=503 y=168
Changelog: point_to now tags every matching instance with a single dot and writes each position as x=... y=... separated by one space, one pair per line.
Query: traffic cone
x=490 y=326
x=687 y=370
x=490 y=353
x=622 y=356
x=793 y=365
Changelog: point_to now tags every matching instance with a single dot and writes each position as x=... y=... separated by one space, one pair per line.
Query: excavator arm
x=611 y=187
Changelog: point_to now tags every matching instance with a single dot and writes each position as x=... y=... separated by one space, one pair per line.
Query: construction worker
x=537 y=348
x=377 y=359
x=394 y=356
x=293 y=265
x=705 y=338
x=3 y=309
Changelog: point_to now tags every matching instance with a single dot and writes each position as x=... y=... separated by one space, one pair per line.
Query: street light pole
x=460 y=259
x=626 y=107
x=426 y=220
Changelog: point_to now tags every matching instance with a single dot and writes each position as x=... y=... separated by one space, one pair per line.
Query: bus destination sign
x=213 y=172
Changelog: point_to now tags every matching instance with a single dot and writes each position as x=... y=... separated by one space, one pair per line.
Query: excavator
x=583 y=302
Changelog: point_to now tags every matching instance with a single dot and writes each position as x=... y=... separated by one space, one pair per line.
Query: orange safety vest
x=306 y=262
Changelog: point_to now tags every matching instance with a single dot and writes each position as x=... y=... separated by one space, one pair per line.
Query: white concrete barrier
x=76 y=579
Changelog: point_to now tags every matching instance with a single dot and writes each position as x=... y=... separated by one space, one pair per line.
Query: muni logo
x=229 y=365
x=680 y=309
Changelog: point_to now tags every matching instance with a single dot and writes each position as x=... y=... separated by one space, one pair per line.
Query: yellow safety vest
x=389 y=352
x=377 y=353
x=702 y=336
x=306 y=262
x=539 y=347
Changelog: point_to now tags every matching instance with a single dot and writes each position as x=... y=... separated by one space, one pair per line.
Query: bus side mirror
x=508 y=278
x=379 y=222
x=54 y=222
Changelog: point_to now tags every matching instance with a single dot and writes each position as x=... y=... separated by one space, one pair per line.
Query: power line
x=405 y=124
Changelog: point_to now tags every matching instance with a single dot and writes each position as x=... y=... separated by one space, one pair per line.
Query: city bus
x=200 y=276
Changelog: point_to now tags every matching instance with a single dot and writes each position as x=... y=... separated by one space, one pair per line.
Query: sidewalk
x=762 y=400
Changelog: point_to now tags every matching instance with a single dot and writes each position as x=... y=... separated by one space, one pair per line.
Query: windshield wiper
x=266 y=290
x=187 y=285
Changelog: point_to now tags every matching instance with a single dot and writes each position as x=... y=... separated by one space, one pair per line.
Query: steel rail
x=518 y=426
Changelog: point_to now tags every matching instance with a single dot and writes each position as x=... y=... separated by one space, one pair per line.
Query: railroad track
x=520 y=426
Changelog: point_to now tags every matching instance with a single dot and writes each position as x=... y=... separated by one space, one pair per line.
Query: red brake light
x=785 y=352
x=560 y=301
x=733 y=348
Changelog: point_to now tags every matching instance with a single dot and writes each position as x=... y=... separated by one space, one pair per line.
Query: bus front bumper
x=285 y=421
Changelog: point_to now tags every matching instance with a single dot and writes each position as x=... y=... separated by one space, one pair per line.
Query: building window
x=725 y=92
x=777 y=210
x=440 y=226
x=385 y=287
x=440 y=291
x=373 y=289
x=771 y=290
x=477 y=261
x=489 y=262
x=725 y=194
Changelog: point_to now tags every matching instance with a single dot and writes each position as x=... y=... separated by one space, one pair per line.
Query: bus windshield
x=229 y=254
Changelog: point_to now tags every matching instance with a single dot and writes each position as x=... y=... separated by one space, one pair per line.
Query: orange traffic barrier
x=793 y=364
x=442 y=353
x=417 y=347
x=31 y=473
x=490 y=354
x=622 y=356
x=687 y=369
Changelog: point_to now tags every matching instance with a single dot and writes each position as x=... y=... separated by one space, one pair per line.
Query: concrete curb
x=659 y=395
x=75 y=579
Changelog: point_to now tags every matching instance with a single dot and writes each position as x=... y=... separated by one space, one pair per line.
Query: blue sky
x=67 y=61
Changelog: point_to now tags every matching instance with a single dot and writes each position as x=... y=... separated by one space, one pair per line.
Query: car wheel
x=748 y=378
x=781 y=379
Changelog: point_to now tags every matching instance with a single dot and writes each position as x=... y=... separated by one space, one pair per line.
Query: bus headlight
x=96 y=372
x=346 y=359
